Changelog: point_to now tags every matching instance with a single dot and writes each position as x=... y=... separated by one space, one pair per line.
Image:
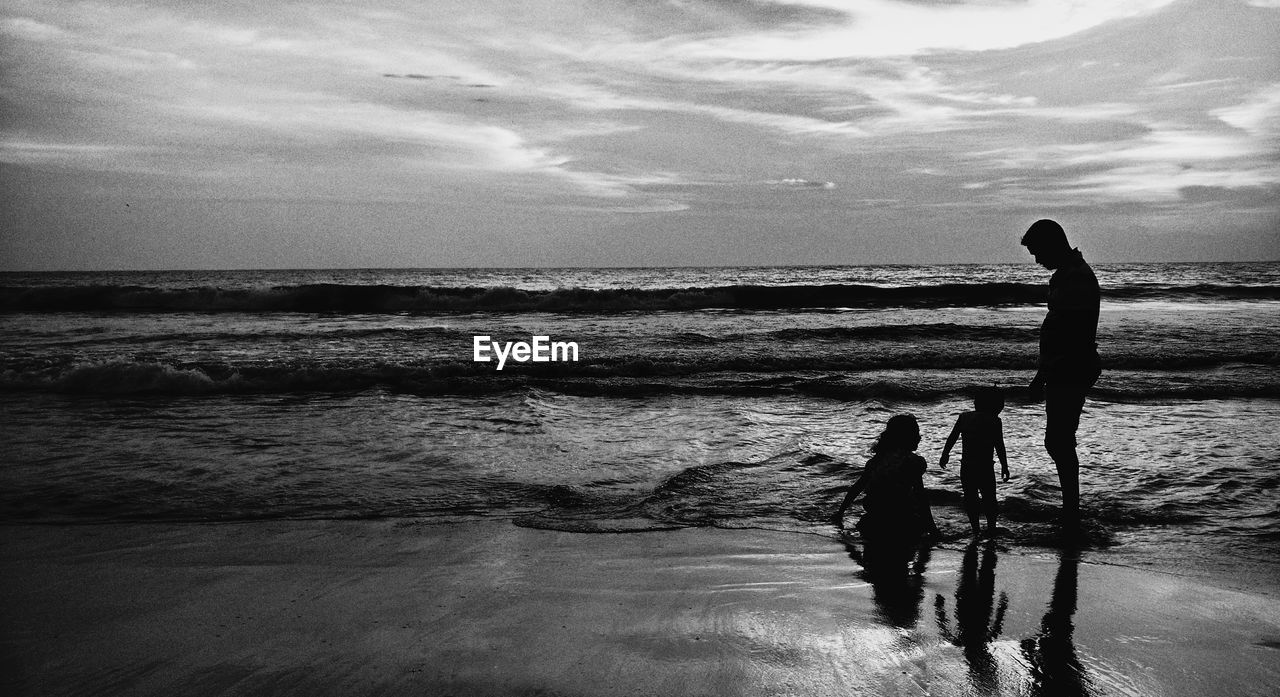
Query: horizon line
x=602 y=268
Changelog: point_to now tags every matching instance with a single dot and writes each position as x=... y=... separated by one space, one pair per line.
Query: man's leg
x=1062 y=406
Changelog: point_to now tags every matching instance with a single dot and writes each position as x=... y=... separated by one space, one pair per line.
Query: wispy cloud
x=530 y=109
x=1161 y=164
x=803 y=184
x=202 y=85
x=880 y=28
x=1259 y=116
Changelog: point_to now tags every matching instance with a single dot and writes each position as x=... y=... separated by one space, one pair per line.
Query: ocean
x=728 y=397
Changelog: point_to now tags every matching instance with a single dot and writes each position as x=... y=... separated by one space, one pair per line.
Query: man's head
x=1047 y=242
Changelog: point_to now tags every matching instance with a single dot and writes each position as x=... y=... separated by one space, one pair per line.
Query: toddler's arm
x=1004 y=462
x=951 y=441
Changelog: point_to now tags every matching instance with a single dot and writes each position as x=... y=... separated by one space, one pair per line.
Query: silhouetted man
x=1069 y=363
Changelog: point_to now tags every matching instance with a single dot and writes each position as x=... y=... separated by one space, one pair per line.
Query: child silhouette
x=897 y=511
x=981 y=434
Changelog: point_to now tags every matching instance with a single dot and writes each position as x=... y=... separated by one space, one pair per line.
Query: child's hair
x=901 y=433
x=989 y=400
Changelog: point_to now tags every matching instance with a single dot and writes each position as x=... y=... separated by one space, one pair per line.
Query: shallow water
x=679 y=415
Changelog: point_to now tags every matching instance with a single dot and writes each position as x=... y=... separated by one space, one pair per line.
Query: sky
x=429 y=133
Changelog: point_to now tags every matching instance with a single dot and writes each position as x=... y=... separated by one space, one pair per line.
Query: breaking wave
x=834 y=378
x=342 y=298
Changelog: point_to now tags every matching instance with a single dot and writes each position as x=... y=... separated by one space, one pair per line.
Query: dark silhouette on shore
x=979 y=619
x=1054 y=668
x=897 y=510
x=1069 y=363
x=897 y=581
x=981 y=435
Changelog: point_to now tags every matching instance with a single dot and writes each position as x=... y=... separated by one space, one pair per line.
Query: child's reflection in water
x=896 y=576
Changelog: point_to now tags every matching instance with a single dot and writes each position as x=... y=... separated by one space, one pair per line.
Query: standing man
x=1069 y=363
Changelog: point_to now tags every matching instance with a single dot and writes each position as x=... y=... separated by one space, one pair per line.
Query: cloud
x=223 y=99
x=23 y=28
x=655 y=205
x=803 y=184
x=850 y=101
x=879 y=28
x=1162 y=181
x=1259 y=116
x=847 y=97
x=515 y=110
x=1157 y=166
x=90 y=156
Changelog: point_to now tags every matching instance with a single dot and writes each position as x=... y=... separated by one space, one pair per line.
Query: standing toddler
x=982 y=435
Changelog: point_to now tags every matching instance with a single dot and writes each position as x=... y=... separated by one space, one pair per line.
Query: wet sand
x=383 y=608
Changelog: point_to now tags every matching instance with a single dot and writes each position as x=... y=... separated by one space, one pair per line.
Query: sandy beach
x=364 y=608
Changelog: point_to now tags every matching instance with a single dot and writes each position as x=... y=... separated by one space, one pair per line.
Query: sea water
x=731 y=397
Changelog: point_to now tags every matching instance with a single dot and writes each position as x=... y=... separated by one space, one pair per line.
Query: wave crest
x=333 y=297
x=128 y=377
x=622 y=378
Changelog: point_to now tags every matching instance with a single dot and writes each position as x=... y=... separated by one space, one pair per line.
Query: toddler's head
x=989 y=400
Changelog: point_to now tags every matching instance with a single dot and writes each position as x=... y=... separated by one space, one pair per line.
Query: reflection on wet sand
x=1043 y=665
x=897 y=581
x=1053 y=668
x=975 y=627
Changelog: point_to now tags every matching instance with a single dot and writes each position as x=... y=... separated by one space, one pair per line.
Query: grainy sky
x=626 y=132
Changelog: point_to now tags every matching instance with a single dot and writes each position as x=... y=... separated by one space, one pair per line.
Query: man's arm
x=1036 y=387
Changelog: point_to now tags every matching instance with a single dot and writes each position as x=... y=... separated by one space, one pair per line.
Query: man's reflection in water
x=1053 y=667
x=896 y=578
x=975 y=627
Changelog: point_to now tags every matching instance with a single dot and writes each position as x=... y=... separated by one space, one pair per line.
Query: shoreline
x=489 y=608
